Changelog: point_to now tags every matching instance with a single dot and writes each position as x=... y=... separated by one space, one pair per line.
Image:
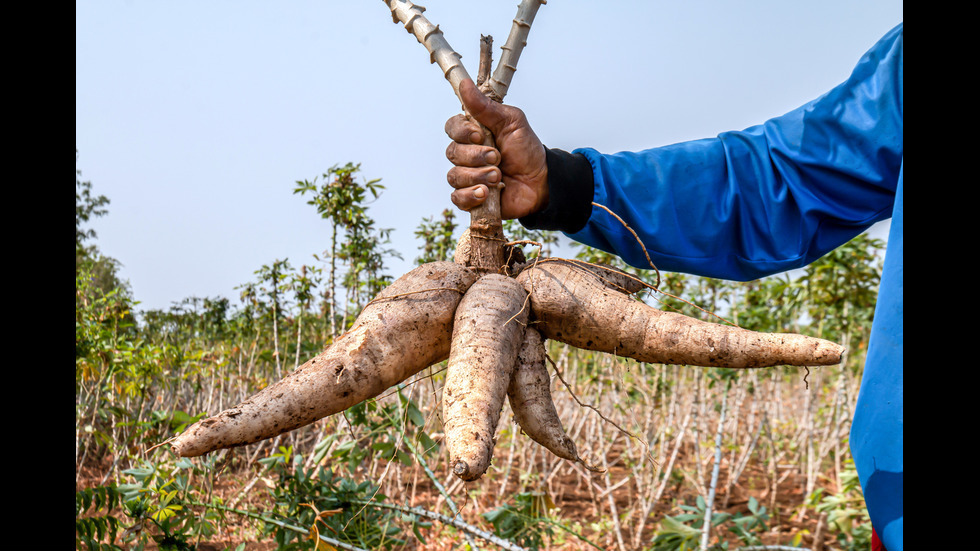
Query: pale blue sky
x=196 y=118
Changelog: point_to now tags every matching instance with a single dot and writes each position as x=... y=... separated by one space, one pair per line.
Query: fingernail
x=491 y=157
x=476 y=137
x=479 y=193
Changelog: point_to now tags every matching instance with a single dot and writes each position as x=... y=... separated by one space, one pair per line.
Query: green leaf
x=404 y=458
x=672 y=525
x=427 y=444
x=414 y=415
x=417 y=532
x=719 y=518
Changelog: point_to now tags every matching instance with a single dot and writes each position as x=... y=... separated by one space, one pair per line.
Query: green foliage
x=303 y=283
x=683 y=532
x=95 y=526
x=847 y=516
x=272 y=278
x=102 y=272
x=438 y=242
x=355 y=241
x=747 y=527
x=158 y=503
x=840 y=290
x=335 y=500
x=526 y=522
x=675 y=535
x=383 y=432
x=156 y=507
x=87 y=206
x=340 y=197
x=335 y=504
x=109 y=362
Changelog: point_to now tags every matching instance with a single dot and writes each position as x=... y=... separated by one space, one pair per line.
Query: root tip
x=592 y=468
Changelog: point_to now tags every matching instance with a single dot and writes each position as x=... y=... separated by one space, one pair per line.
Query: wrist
x=566 y=200
x=541 y=183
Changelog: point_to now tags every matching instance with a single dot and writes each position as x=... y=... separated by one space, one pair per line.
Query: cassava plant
x=478 y=312
x=437 y=236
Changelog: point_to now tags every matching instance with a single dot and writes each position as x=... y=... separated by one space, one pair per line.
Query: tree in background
x=87 y=206
x=102 y=270
x=438 y=242
x=354 y=240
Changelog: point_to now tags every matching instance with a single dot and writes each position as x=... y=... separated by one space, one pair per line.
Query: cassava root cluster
x=492 y=328
x=489 y=314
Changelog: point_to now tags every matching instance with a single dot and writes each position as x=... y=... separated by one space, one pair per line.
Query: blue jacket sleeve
x=766 y=199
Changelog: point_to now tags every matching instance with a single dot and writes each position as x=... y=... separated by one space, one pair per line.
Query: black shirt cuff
x=570 y=191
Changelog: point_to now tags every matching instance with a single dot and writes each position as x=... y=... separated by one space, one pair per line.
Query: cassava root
x=529 y=394
x=574 y=308
x=487 y=334
x=407 y=328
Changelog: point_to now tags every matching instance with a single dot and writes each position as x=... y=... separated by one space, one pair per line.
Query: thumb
x=488 y=112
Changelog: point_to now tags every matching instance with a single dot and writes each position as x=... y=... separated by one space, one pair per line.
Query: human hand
x=518 y=159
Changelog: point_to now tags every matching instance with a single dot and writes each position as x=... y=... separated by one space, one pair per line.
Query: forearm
x=746 y=204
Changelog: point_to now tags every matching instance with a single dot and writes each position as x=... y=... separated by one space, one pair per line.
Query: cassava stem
x=499 y=82
x=440 y=52
x=487 y=253
x=575 y=309
x=407 y=328
x=429 y=35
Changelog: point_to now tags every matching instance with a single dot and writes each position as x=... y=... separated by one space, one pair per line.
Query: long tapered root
x=576 y=310
x=405 y=329
x=487 y=334
x=530 y=399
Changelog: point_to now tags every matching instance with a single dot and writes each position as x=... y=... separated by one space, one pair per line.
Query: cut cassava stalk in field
x=573 y=308
x=405 y=329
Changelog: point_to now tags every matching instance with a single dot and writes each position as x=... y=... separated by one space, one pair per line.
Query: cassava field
x=761 y=453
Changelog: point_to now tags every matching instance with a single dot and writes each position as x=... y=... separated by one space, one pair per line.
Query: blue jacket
x=764 y=200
